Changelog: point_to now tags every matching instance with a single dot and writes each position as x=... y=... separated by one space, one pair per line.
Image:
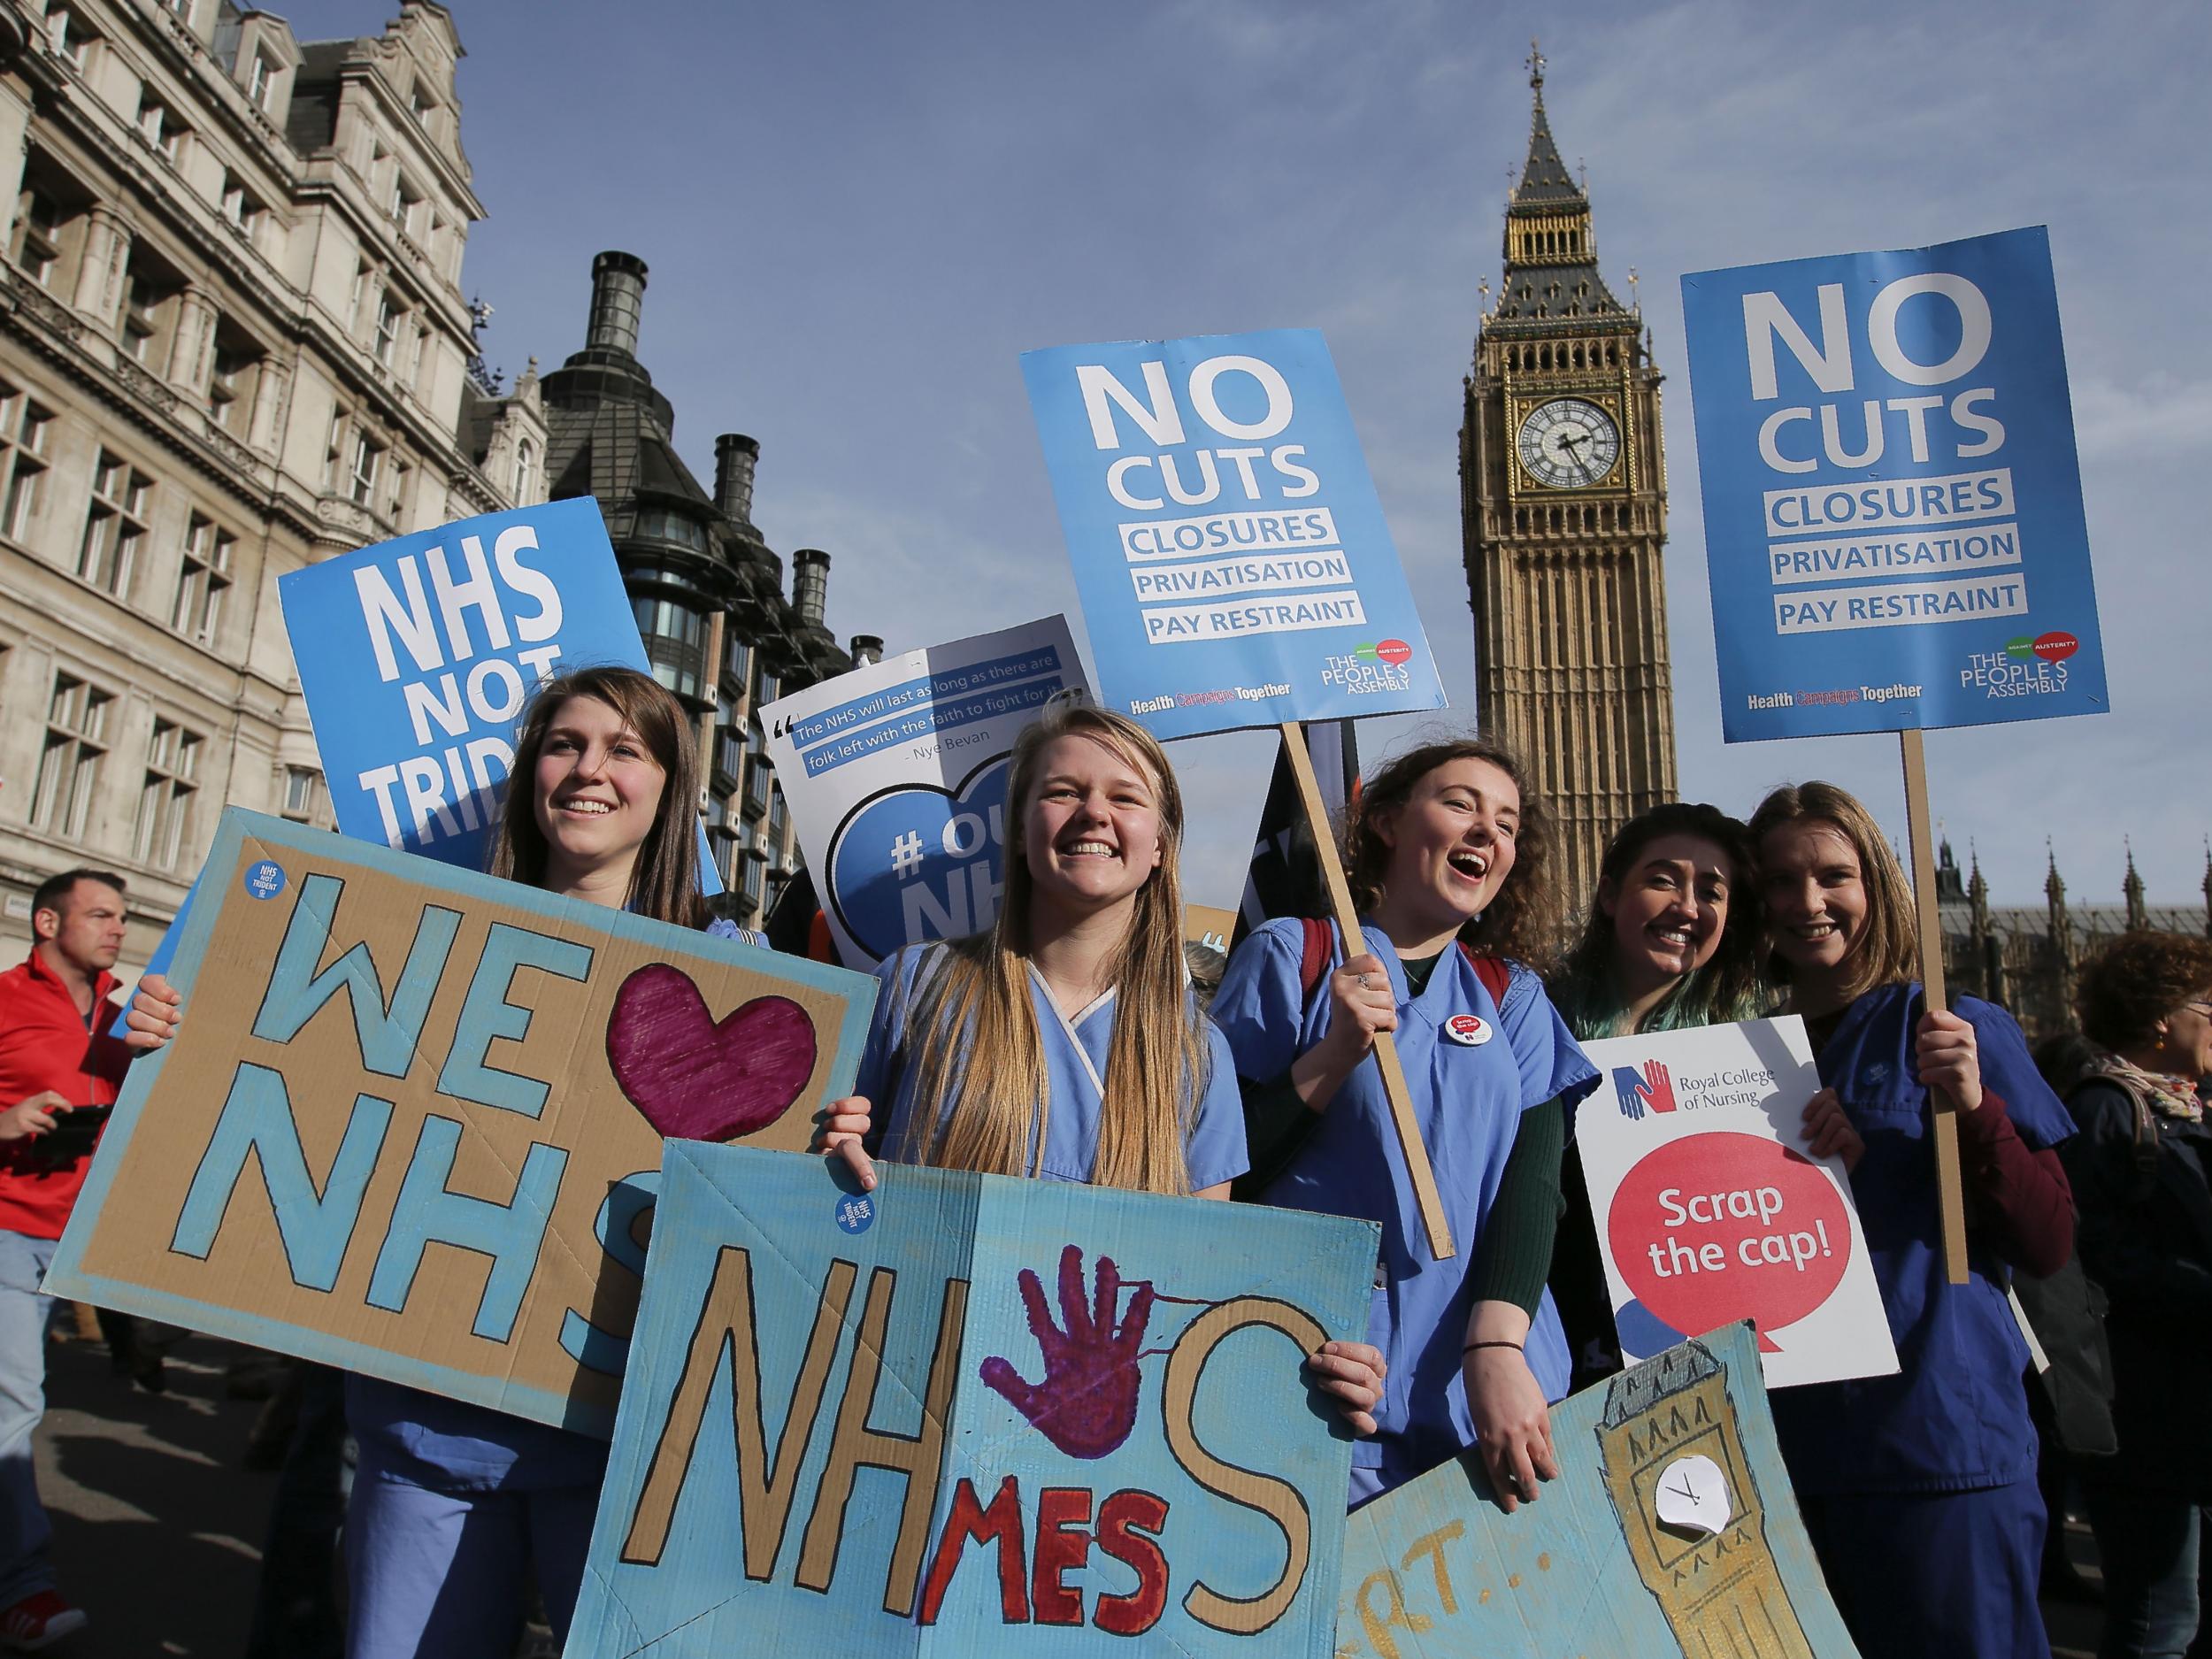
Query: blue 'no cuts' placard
x=1231 y=553
x=1894 y=524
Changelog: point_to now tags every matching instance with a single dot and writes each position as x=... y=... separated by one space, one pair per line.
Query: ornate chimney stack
x=618 y=297
x=810 y=585
x=868 y=648
x=735 y=457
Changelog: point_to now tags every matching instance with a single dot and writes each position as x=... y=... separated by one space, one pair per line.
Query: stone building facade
x=1563 y=509
x=709 y=596
x=233 y=341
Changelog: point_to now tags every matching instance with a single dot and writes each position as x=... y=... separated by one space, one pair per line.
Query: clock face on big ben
x=1568 y=444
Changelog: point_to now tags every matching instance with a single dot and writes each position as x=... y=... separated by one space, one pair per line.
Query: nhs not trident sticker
x=264 y=880
x=855 y=1212
x=1469 y=1030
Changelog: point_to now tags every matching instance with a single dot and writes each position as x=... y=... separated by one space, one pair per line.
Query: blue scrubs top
x=458 y=1446
x=1956 y=1416
x=1469 y=1098
x=1076 y=1050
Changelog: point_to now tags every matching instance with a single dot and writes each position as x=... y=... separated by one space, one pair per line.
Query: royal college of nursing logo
x=1651 y=1089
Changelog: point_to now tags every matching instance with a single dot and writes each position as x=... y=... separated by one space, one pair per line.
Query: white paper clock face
x=1568 y=443
x=1693 y=1494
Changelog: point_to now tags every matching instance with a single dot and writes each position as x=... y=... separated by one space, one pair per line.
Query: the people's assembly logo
x=1367 y=669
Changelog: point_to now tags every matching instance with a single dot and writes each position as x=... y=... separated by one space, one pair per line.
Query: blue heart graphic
x=919 y=863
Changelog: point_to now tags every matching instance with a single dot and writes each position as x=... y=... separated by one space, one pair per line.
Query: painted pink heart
x=697 y=1079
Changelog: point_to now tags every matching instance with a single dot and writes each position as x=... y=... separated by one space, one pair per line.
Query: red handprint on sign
x=1658 y=1086
x=1087 y=1404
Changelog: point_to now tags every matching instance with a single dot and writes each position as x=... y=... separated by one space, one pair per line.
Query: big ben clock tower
x=1563 y=503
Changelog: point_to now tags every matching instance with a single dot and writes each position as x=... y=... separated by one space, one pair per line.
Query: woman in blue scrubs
x=1065 y=1044
x=1918 y=1489
x=1447 y=862
x=455 y=1505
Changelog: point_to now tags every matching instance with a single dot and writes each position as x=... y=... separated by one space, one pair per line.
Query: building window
x=158 y=126
x=664 y=526
x=360 y=287
x=737 y=660
x=228 y=393
x=302 y=791
x=729 y=751
x=418 y=370
x=760 y=778
x=69 y=766
x=260 y=82
x=142 y=317
x=115 y=527
x=403 y=204
x=525 y=471
x=361 y=474
x=72 y=35
x=771 y=689
x=204 y=584
x=38 y=236
x=777 y=816
x=675 y=638
x=421 y=106
x=23 y=428
x=240 y=206
x=165 y=801
x=387 y=320
x=752 y=878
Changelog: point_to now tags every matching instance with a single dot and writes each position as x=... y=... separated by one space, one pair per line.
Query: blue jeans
x=2147 y=1543
x=25 y=1532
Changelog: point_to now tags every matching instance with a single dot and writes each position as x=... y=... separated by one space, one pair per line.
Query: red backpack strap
x=1495 y=972
x=1313 y=961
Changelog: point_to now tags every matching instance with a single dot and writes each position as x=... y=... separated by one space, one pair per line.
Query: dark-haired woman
x=1673 y=941
x=1448 y=861
x=455 y=1504
x=1918 y=1489
x=2139 y=1169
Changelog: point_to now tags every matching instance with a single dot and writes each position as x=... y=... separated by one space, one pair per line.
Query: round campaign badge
x=264 y=880
x=855 y=1212
x=1470 y=1030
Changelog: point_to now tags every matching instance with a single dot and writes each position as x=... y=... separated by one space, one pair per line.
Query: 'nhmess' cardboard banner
x=412 y=1121
x=972 y=1415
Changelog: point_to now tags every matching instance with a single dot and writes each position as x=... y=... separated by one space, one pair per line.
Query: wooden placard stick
x=1950 y=1188
x=1393 y=1075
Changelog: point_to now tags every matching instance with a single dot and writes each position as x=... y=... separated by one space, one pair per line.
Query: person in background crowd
x=1448 y=864
x=1673 y=941
x=1918 y=1490
x=1065 y=1044
x=56 y=1055
x=453 y=1503
x=2140 y=1167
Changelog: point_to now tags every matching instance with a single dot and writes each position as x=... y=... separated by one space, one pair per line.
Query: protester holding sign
x=453 y=1504
x=1918 y=1489
x=1065 y=1043
x=1671 y=941
x=1448 y=864
x=2139 y=1169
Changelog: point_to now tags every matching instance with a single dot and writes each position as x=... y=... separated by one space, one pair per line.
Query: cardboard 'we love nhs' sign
x=972 y=1416
x=895 y=775
x=1894 y=525
x=1232 y=555
x=412 y=1125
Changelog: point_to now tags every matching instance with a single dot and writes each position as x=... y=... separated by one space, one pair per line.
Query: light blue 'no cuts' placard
x=1894 y=524
x=1231 y=553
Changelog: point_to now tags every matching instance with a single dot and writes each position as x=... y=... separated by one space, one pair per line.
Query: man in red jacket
x=55 y=1056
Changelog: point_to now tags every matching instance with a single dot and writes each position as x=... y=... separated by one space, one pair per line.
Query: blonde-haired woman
x=1065 y=1043
x=1918 y=1489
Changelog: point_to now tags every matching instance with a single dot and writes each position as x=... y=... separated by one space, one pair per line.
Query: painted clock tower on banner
x=1563 y=502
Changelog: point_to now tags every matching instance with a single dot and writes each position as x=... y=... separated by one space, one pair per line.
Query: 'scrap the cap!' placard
x=969 y=1415
x=1709 y=1208
x=412 y=1123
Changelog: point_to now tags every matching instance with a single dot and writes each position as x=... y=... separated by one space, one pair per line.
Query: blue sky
x=857 y=215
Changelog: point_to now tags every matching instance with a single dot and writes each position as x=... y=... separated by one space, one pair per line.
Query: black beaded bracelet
x=1471 y=1347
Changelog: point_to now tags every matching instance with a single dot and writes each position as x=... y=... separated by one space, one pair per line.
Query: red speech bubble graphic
x=1394 y=651
x=2056 y=646
x=1723 y=1226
